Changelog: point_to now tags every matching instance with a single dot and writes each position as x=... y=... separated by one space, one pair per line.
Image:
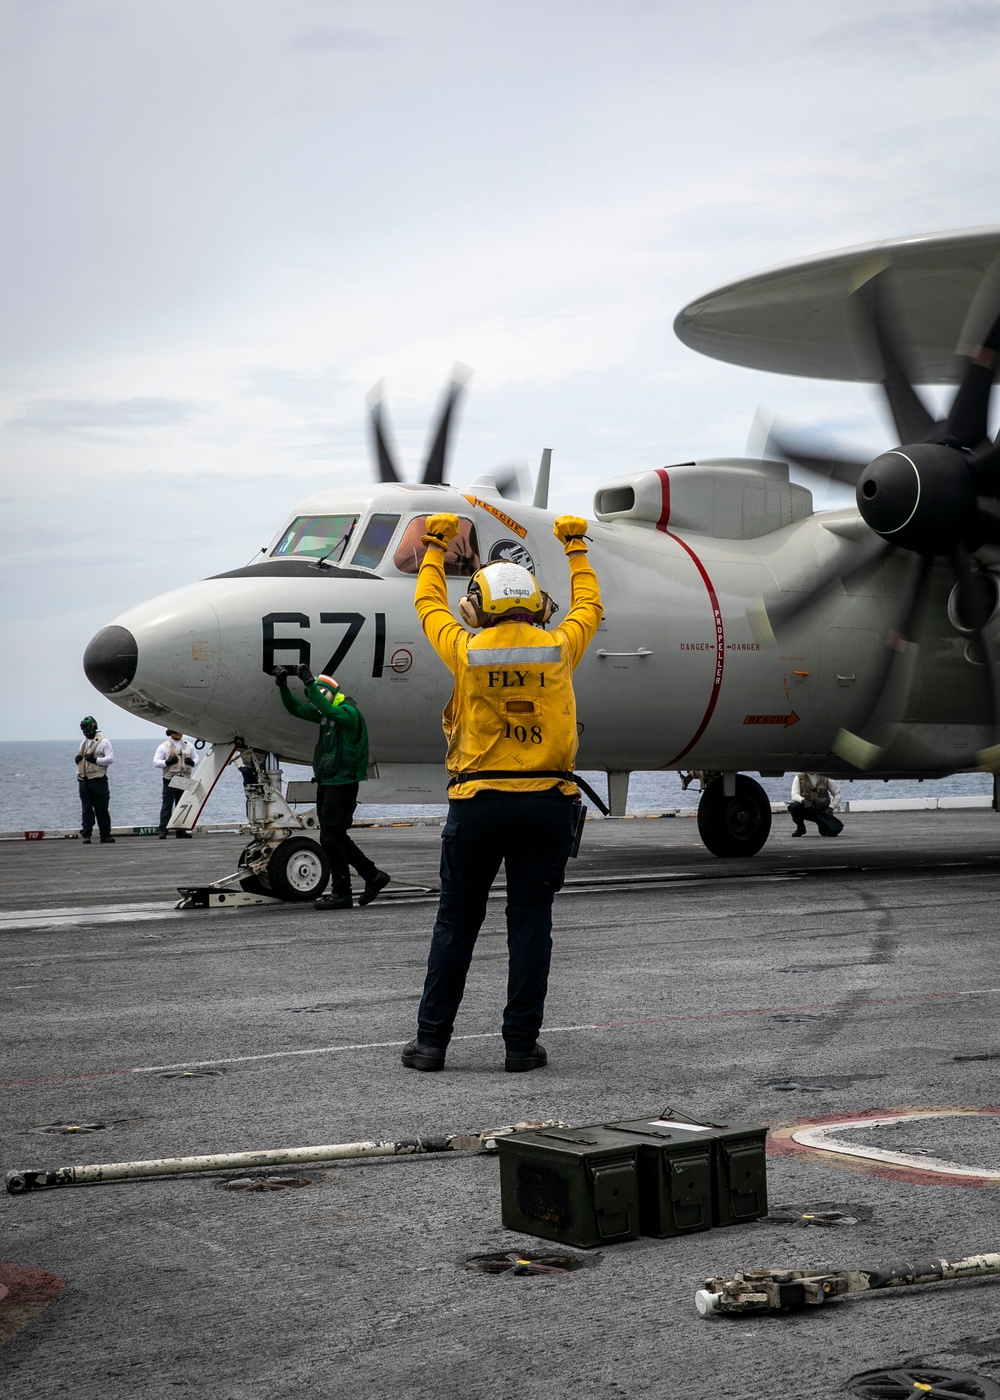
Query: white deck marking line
x=333 y=1050
x=556 y=1030
x=121 y=913
x=874 y=1002
x=80 y=914
x=825 y=1137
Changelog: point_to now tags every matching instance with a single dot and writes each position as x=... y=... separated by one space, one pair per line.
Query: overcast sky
x=224 y=220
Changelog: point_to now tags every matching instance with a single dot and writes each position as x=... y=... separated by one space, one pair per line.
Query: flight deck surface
x=823 y=982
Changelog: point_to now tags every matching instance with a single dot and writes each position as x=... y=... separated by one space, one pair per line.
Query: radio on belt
x=664 y=1175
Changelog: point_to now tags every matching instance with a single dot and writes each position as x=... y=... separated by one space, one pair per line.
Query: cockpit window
x=462 y=558
x=317 y=537
x=377 y=534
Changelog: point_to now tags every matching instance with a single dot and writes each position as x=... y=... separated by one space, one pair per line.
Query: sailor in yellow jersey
x=512 y=742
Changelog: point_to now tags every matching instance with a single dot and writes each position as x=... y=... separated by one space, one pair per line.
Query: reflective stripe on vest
x=513 y=656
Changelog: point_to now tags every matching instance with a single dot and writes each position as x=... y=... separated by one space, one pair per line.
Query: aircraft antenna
x=541 y=497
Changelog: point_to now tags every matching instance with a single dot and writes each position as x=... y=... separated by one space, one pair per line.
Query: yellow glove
x=441 y=528
x=570 y=530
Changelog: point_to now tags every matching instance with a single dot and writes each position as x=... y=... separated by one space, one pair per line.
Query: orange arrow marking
x=784 y=720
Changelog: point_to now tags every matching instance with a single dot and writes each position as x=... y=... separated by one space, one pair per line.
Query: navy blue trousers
x=828 y=822
x=171 y=797
x=335 y=806
x=94 y=800
x=531 y=834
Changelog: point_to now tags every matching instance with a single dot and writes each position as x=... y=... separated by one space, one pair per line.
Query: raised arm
x=444 y=633
x=585 y=611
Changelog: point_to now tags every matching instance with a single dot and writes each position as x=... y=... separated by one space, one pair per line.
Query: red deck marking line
x=720 y=640
x=780 y=1143
x=24 y=1292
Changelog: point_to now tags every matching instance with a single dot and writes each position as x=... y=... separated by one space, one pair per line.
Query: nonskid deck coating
x=673 y=980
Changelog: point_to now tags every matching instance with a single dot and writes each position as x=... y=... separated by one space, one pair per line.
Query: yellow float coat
x=513 y=706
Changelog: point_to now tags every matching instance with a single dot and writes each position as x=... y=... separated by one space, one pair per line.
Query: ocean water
x=39 y=791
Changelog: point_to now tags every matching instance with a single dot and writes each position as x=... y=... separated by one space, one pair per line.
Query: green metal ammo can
x=575 y=1185
x=733 y=1157
x=675 y=1171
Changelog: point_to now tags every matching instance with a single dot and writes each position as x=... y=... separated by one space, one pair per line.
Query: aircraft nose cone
x=111 y=659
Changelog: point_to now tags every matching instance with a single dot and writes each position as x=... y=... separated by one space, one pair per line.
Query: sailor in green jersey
x=340 y=763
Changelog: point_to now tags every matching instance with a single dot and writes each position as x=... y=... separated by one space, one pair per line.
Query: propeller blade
x=985 y=469
x=862 y=748
x=839 y=572
x=508 y=480
x=967 y=418
x=437 y=458
x=889 y=339
x=383 y=457
x=845 y=469
x=975 y=606
x=986 y=521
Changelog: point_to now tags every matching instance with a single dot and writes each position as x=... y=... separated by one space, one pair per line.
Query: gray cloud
x=303 y=390
x=67 y=415
x=931 y=33
x=342 y=40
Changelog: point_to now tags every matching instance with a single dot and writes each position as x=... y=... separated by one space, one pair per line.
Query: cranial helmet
x=88 y=722
x=328 y=683
x=500 y=589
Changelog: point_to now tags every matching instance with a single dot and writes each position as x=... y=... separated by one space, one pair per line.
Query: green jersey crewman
x=340 y=763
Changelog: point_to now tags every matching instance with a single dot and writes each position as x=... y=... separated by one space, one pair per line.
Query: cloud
x=894 y=34
x=69 y=415
x=339 y=40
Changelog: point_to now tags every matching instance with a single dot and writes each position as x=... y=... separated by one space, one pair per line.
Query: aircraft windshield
x=317 y=537
x=377 y=534
x=461 y=560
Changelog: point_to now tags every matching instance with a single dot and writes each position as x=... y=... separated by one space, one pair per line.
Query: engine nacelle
x=733 y=498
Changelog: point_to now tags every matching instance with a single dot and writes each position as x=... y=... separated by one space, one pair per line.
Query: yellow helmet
x=503 y=588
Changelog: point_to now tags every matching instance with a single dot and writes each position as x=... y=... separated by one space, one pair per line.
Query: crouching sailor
x=512 y=743
x=815 y=798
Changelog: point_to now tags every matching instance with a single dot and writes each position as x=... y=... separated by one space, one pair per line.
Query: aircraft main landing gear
x=737 y=824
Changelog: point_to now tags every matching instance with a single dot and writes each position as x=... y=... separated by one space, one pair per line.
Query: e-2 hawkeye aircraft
x=742 y=631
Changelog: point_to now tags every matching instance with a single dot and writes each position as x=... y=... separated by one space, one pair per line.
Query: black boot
x=374 y=887
x=517 y=1061
x=416 y=1055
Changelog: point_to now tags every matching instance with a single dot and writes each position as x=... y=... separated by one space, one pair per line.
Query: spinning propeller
x=437 y=457
x=937 y=495
x=510 y=482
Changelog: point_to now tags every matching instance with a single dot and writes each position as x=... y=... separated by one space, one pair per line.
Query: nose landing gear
x=281 y=863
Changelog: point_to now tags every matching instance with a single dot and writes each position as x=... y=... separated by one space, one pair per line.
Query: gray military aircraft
x=743 y=630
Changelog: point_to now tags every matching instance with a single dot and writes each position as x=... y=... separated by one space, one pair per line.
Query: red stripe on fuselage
x=720 y=640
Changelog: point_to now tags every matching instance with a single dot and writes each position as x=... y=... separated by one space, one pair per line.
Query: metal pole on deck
x=20 y=1182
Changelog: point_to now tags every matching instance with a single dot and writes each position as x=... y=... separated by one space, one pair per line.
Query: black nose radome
x=110 y=660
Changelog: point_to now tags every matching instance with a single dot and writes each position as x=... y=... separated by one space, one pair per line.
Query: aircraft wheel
x=298 y=870
x=253 y=884
x=737 y=825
